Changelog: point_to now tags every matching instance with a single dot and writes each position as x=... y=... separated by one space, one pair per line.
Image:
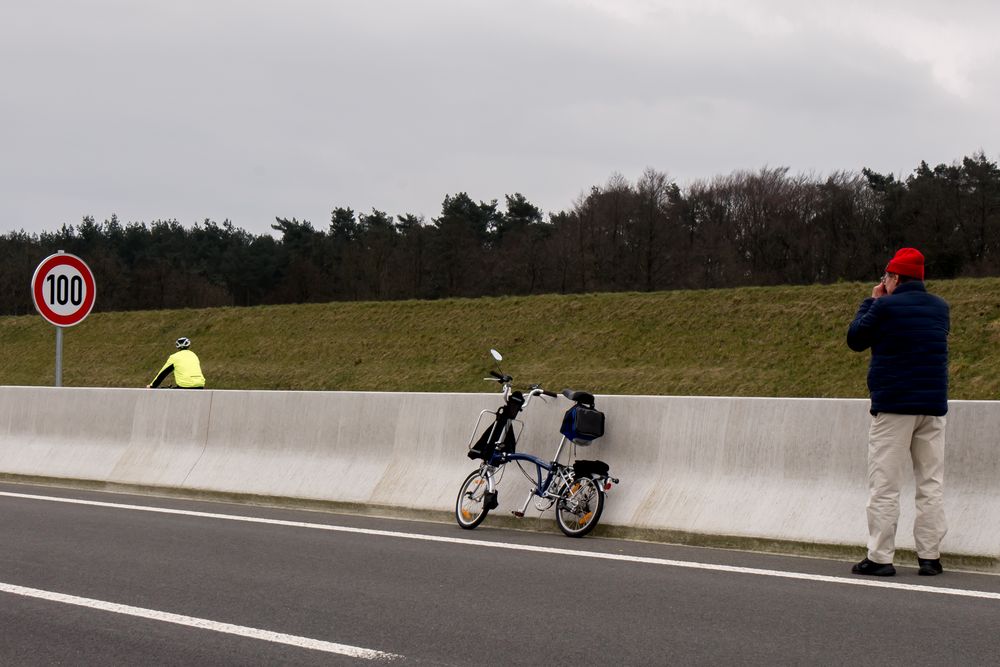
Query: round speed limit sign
x=63 y=289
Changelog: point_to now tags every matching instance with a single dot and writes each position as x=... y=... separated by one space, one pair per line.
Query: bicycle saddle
x=579 y=396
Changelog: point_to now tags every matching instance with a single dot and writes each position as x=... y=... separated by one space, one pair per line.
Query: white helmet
x=183 y=343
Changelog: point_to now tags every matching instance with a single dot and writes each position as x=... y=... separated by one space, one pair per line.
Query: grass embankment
x=775 y=341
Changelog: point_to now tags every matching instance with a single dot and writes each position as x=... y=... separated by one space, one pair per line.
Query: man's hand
x=879 y=291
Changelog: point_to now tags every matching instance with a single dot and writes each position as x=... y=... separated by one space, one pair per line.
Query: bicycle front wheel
x=579 y=509
x=471 y=507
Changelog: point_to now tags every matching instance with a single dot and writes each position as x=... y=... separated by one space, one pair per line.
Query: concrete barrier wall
x=783 y=469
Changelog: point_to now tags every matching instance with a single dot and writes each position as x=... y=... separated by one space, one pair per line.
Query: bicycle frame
x=551 y=467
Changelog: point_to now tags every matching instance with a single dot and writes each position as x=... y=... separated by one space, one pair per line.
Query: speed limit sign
x=63 y=289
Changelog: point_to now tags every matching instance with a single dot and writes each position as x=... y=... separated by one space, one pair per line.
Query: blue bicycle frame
x=541 y=487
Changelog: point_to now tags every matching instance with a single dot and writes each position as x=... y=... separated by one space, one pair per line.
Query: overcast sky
x=250 y=109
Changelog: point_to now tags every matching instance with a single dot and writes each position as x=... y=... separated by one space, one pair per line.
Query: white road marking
x=854 y=581
x=203 y=623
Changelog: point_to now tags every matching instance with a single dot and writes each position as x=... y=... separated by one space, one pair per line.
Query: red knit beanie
x=907 y=262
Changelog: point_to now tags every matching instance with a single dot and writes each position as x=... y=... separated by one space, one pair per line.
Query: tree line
x=762 y=227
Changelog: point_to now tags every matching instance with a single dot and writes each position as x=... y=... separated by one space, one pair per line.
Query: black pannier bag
x=513 y=406
x=590 y=469
x=488 y=441
x=582 y=424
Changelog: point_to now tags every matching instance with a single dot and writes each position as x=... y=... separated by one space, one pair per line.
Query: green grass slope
x=774 y=341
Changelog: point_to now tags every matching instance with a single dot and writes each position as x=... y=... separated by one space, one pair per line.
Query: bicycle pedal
x=518 y=514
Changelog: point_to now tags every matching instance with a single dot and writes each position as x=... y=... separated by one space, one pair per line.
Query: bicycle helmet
x=183 y=343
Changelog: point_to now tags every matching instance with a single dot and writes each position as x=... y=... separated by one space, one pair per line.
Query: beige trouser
x=894 y=441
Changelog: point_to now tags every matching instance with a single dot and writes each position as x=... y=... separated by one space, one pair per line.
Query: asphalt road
x=194 y=589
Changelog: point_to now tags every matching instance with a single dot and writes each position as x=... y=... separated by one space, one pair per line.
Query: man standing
x=184 y=365
x=907 y=331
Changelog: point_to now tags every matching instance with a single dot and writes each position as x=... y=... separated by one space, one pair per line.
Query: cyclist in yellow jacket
x=184 y=365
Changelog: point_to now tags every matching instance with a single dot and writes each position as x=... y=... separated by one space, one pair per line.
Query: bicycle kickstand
x=520 y=514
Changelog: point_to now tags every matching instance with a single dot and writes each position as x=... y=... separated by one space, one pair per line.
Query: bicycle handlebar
x=501 y=378
x=535 y=389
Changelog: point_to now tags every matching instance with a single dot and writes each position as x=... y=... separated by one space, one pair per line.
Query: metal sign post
x=59 y=341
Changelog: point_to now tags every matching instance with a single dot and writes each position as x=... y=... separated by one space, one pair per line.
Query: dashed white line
x=202 y=623
x=986 y=595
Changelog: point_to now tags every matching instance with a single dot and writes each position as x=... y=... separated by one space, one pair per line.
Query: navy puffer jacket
x=908 y=334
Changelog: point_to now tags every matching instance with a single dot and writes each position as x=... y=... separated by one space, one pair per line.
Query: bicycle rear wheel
x=471 y=506
x=580 y=507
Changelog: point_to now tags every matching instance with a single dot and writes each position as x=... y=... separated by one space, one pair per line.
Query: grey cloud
x=251 y=110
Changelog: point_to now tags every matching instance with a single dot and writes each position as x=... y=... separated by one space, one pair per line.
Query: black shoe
x=929 y=567
x=874 y=569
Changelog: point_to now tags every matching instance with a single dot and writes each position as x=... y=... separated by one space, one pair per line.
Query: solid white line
x=205 y=624
x=986 y=595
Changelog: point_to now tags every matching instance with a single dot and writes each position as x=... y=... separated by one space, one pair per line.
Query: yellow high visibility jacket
x=186 y=368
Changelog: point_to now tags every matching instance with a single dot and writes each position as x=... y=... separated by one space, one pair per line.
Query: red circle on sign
x=37 y=280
